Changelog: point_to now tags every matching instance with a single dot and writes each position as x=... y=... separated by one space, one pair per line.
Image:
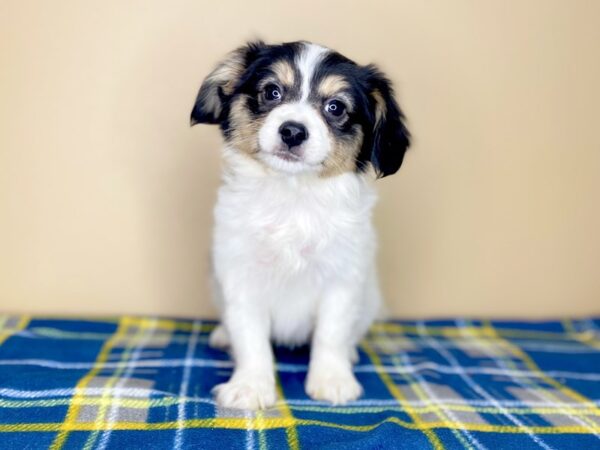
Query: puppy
x=306 y=132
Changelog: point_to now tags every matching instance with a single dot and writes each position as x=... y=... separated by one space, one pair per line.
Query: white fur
x=307 y=61
x=294 y=262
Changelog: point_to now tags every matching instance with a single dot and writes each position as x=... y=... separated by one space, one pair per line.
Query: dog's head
x=299 y=107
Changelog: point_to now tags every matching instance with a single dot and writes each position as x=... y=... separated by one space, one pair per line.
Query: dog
x=306 y=132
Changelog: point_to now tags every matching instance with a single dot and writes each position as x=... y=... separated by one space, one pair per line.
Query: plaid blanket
x=136 y=382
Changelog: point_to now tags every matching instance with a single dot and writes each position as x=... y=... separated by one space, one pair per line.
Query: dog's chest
x=290 y=228
x=291 y=231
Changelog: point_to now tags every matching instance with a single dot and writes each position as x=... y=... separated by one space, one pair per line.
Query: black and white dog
x=306 y=132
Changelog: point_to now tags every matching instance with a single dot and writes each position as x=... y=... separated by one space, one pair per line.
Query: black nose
x=293 y=133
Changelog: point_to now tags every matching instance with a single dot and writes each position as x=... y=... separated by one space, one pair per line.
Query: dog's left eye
x=272 y=93
x=335 y=108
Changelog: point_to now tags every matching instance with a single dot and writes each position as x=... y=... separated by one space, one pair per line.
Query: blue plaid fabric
x=136 y=382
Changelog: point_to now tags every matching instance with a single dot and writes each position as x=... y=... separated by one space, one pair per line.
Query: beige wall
x=106 y=193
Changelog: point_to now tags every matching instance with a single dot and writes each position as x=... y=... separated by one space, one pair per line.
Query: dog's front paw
x=251 y=392
x=334 y=387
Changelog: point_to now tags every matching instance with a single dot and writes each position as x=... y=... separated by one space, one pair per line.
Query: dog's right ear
x=218 y=87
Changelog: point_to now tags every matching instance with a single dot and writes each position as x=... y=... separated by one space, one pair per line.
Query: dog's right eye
x=272 y=93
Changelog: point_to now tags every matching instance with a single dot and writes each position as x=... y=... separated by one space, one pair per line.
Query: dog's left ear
x=390 y=138
x=220 y=84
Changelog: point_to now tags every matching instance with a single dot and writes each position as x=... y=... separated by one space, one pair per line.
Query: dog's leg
x=330 y=376
x=252 y=384
x=354 y=356
x=219 y=338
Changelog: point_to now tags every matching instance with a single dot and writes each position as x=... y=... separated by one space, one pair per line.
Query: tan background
x=106 y=193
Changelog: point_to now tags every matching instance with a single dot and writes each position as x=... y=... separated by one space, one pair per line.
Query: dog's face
x=299 y=107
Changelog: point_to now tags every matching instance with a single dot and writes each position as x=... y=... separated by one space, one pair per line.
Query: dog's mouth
x=287 y=155
x=292 y=160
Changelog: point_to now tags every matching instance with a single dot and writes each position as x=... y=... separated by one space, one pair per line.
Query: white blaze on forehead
x=307 y=62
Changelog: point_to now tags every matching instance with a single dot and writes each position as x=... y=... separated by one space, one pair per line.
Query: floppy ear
x=390 y=139
x=218 y=87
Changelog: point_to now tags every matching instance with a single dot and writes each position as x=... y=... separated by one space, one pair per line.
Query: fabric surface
x=136 y=382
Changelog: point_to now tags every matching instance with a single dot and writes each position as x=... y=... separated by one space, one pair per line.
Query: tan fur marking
x=228 y=71
x=244 y=129
x=380 y=108
x=224 y=76
x=284 y=73
x=343 y=154
x=331 y=85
